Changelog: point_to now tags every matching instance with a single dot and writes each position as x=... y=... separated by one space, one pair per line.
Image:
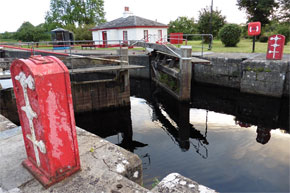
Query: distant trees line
x=273 y=15
x=79 y=16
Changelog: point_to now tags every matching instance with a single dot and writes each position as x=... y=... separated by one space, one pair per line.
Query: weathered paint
x=29 y=82
x=44 y=102
x=275 y=47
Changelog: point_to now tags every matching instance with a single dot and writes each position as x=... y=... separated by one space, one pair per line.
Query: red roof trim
x=129 y=27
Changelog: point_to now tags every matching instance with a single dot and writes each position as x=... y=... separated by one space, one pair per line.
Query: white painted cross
x=29 y=82
x=275 y=45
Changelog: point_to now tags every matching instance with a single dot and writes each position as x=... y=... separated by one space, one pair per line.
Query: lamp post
x=210 y=25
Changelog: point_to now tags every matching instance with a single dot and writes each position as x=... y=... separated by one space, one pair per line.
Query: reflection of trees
x=263 y=135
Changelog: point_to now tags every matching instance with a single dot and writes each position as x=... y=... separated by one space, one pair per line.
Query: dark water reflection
x=223 y=139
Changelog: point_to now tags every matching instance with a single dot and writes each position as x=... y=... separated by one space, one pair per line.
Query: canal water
x=226 y=140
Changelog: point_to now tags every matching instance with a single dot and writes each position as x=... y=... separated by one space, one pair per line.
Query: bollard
x=45 y=109
x=185 y=73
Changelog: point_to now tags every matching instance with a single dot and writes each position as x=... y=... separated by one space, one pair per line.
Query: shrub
x=285 y=31
x=230 y=35
x=263 y=38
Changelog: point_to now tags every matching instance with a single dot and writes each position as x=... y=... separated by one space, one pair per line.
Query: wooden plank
x=94 y=69
x=105 y=68
x=171 y=71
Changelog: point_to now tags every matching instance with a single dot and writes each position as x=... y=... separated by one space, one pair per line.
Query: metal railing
x=187 y=37
x=69 y=46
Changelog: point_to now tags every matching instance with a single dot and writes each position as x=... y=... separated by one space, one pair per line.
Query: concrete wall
x=251 y=73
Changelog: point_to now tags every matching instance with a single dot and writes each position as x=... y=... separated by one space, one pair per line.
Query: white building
x=129 y=27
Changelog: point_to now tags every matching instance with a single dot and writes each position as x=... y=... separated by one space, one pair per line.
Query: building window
x=125 y=37
x=146 y=35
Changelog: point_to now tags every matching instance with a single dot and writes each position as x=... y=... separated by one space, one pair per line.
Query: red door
x=105 y=40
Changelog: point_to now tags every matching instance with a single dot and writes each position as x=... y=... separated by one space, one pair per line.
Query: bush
x=263 y=38
x=230 y=35
x=285 y=31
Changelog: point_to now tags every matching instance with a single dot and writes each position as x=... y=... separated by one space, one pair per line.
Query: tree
x=7 y=35
x=283 y=13
x=258 y=10
x=218 y=21
x=184 y=25
x=75 y=12
x=28 y=33
x=25 y=32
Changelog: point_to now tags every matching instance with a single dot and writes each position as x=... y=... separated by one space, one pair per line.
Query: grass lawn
x=244 y=46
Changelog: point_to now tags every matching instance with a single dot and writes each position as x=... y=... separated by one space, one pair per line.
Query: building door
x=125 y=37
x=105 y=39
x=146 y=35
x=160 y=35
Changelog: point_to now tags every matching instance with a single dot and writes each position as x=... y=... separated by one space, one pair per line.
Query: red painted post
x=275 y=47
x=254 y=29
x=45 y=109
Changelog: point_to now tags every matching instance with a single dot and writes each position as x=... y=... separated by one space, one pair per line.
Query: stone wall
x=251 y=73
x=265 y=77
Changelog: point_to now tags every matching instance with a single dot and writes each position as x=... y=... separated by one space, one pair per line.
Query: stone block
x=220 y=70
x=177 y=183
x=262 y=87
x=249 y=75
x=271 y=77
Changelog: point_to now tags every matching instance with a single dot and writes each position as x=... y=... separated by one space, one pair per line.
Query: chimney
x=127 y=13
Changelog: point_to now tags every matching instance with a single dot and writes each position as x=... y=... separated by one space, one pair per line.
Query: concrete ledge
x=105 y=167
x=5 y=123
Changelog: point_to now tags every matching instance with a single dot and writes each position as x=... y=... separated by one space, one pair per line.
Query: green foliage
x=184 y=25
x=285 y=31
x=263 y=38
x=28 y=33
x=218 y=21
x=230 y=35
x=258 y=10
x=169 y=81
x=63 y=13
x=155 y=182
x=83 y=33
x=7 y=35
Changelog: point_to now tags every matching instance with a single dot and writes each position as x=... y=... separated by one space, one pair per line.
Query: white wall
x=114 y=35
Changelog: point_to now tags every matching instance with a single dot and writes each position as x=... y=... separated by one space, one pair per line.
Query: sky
x=14 y=12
